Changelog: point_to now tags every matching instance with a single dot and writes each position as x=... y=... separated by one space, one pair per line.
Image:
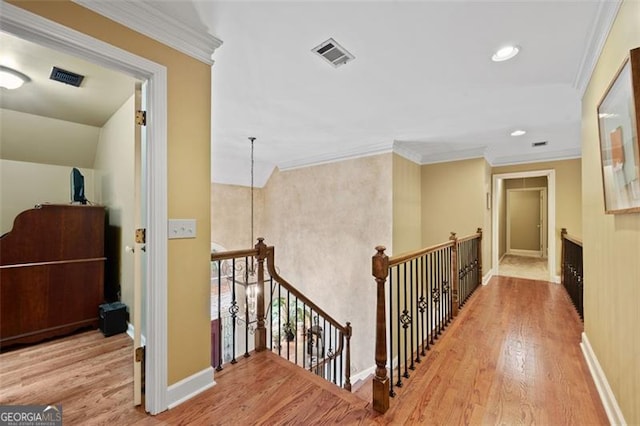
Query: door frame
x=34 y=28
x=542 y=196
x=498 y=182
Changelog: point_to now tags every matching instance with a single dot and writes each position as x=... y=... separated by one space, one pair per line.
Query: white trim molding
x=606 y=14
x=602 y=384
x=146 y=18
x=363 y=374
x=487 y=277
x=189 y=387
x=357 y=152
x=42 y=31
x=131 y=334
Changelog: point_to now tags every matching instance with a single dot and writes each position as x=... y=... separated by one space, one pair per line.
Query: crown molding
x=407 y=154
x=507 y=160
x=463 y=154
x=358 y=152
x=146 y=18
x=605 y=15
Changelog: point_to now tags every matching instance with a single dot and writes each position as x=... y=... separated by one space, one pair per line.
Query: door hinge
x=140 y=354
x=141 y=118
x=141 y=236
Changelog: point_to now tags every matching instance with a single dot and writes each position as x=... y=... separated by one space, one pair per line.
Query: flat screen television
x=77 y=187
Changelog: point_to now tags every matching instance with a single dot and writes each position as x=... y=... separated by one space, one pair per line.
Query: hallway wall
x=611 y=242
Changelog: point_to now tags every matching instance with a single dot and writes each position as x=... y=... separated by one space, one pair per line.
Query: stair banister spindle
x=454 y=273
x=380 y=269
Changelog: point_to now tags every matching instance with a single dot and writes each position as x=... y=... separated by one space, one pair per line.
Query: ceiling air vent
x=333 y=53
x=537 y=144
x=66 y=77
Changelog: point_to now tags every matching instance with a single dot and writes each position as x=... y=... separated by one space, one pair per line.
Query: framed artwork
x=619 y=126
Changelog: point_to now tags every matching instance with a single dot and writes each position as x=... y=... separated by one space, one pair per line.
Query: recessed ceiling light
x=518 y=132
x=505 y=53
x=11 y=79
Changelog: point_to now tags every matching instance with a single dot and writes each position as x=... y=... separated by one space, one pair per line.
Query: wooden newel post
x=347 y=361
x=479 y=231
x=261 y=332
x=455 y=274
x=380 y=270
x=563 y=234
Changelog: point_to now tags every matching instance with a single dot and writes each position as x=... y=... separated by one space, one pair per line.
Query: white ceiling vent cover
x=333 y=53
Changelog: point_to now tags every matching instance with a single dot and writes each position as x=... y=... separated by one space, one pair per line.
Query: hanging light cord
x=252 y=139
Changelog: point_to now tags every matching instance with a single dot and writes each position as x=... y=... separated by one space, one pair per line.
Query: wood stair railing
x=252 y=299
x=426 y=289
x=571 y=272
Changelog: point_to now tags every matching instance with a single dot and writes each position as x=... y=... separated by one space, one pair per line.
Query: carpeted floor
x=533 y=268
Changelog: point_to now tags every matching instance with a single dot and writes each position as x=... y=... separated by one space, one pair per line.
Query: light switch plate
x=182 y=228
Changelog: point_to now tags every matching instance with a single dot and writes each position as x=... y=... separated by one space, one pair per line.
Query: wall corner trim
x=189 y=387
x=487 y=277
x=602 y=384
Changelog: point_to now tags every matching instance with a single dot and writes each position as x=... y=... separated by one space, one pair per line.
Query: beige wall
x=114 y=169
x=23 y=185
x=611 y=242
x=325 y=222
x=231 y=215
x=454 y=200
x=188 y=176
x=407 y=205
x=568 y=195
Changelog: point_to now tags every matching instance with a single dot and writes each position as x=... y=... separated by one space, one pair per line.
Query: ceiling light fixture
x=518 y=132
x=11 y=79
x=505 y=53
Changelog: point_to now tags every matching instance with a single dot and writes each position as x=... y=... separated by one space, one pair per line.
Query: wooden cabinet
x=51 y=272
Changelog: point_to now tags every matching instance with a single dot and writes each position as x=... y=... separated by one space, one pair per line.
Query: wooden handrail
x=291 y=289
x=571 y=238
x=225 y=255
x=405 y=257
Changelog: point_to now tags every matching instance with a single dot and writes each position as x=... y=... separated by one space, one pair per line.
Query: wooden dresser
x=51 y=272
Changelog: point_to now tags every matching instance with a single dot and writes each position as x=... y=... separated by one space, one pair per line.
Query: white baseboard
x=528 y=253
x=130 y=331
x=487 y=277
x=602 y=384
x=363 y=374
x=556 y=279
x=189 y=387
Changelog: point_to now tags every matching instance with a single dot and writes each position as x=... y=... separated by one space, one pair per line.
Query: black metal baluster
x=219 y=367
x=399 y=383
x=287 y=324
x=246 y=308
x=270 y=311
x=304 y=334
x=405 y=319
x=419 y=308
x=411 y=336
x=233 y=310
x=432 y=326
x=424 y=306
x=279 y=320
x=391 y=357
x=310 y=340
x=295 y=332
x=323 y=353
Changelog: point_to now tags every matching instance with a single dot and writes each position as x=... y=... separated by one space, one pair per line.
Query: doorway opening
x=33 y=28
x=531 y=234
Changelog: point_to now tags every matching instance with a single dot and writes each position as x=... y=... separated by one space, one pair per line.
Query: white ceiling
x=422 y=82
x=45 y=121
x=422 y=79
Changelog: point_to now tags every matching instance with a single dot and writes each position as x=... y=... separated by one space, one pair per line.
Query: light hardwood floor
x=510 y=357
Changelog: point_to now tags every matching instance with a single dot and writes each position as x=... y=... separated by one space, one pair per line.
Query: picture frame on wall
x=618 y=128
